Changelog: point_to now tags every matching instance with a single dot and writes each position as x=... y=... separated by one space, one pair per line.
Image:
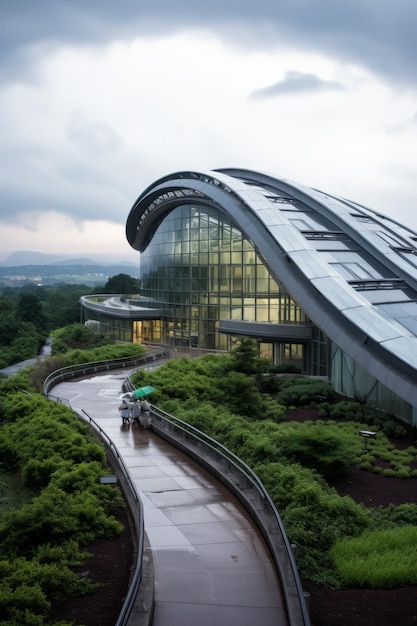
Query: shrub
x=245 y=357
x=402 y=473
x=42 y=369
x=271 y=410
x=393 y=516
x=314 y=515
x=284 y=368
x=103 y=353
x=350 y=410
x=75 y=336
x=269 y=384
x=321 y=447
x=303 y=394
x=54 y=462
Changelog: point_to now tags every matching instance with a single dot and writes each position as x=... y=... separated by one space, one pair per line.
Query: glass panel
x=199 y=277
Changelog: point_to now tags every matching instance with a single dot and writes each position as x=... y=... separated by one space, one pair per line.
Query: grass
x=378 y=559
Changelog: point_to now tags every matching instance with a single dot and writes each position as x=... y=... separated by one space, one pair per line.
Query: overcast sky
x=99 y=98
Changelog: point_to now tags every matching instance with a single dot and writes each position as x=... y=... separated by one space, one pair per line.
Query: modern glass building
x=319 y=282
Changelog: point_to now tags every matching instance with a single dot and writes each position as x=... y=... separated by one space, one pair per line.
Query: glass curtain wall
x=199 y=269
x=115 y=328
x=352 y=380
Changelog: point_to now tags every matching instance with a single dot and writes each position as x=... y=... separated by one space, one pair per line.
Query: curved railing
x=116 y=461
x=240 y=479
x=228 y=468
x=136 y=508
x=85 y=369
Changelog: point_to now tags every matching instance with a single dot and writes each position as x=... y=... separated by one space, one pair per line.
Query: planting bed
x=112 y=560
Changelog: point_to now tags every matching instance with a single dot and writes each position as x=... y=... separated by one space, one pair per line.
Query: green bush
x=103 y=353
x=325 y=449
x=75 y=337
x=303 y=394
x=272 y=410
x=351 y=410
x=314 y=515
x=245 y=358
x=23 y=604
x=402 y=472
x=269 y=384
x=284 y=368
x=51 y=502
x=393 y=516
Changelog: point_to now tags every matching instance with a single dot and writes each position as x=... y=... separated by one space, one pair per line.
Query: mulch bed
x=373 y=607
x=392 y=607
x=112 y=562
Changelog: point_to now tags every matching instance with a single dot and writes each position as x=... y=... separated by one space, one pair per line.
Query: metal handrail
x=139 y=523
x=220 y=451
x=223 y=452
x=83 y=369
x=130 y=492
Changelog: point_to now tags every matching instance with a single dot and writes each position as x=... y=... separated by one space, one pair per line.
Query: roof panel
x=288 y=237
x=405 y=348
x=383 y=296
x=334 y=289
x=374 y=325
x=311 y=264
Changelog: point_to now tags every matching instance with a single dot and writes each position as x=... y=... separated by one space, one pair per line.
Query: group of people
x=135 y=412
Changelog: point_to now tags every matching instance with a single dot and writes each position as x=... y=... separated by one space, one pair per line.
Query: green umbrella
x=143 y=391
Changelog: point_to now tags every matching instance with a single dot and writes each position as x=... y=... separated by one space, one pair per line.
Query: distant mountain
x=18 y=258
x=75 y=261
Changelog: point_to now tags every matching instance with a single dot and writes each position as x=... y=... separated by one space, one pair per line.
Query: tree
x=8 y=322
x=75 y=337
x=30 y=309
x=122 y=283
x=246 y=357
x=62 y=306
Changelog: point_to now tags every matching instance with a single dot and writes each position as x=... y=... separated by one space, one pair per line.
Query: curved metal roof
x=351 y=269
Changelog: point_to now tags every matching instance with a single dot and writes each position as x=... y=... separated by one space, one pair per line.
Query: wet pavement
x=13 y=369
x=211 y=564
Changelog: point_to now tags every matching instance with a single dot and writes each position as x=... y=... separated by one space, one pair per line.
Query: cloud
x=93 y=136
x=296 y=82
x=377 y=33
x=99 y=99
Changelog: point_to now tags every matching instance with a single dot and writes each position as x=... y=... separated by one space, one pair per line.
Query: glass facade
x=352 y=380
x=204 y=284
x=112 y=327
x=199 y=269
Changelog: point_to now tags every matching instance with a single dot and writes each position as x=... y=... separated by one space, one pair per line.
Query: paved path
x=212 y=568
x=13 y=369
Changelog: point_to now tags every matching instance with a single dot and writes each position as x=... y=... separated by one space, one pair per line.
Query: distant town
x=91 y=275
x=41 y=269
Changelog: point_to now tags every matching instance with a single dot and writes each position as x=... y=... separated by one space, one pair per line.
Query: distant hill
x=27 y=258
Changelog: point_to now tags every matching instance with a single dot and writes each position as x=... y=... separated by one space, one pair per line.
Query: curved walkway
x=211 y=564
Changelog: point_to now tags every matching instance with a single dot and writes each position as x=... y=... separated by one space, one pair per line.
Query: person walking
x=136 y=409
x=145 y=409
x=124 y=411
